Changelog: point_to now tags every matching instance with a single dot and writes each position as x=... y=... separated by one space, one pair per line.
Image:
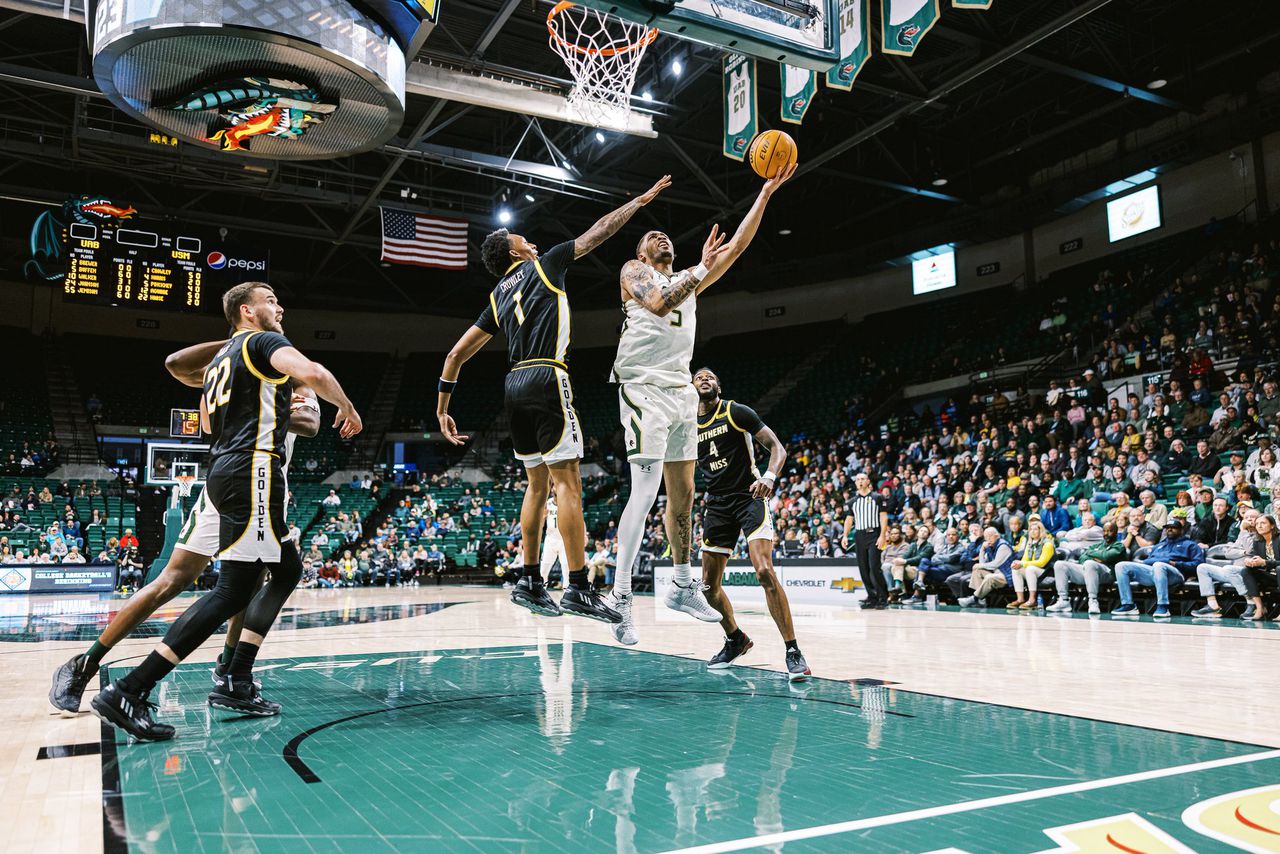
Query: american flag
x=425 y=241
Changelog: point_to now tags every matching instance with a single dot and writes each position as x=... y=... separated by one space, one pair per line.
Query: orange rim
x=565 y=5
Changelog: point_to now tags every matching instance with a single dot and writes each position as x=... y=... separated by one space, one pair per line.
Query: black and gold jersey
x=726 y=449
x=247 y=399
x=531 y=308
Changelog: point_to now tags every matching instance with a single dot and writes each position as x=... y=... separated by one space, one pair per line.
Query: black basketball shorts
x=248 y=492
x=539 y=404
x=726 y=516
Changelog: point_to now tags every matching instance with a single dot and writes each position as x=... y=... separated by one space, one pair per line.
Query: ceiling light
x=940 y=181
x=599 y=137
x=528 y=197
x=1158 y=83
x=677 y=67
x=784 y=232
x=504 y=216
x=646 y=95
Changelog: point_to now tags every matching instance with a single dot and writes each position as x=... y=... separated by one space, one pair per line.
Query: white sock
x=684 y=574
x=645 y=482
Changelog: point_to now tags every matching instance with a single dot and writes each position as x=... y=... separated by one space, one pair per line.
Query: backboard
x=803 y=33
x=167 y=460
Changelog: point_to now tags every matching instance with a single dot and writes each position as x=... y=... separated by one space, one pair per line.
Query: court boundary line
x=889 y=819
x=114 y=841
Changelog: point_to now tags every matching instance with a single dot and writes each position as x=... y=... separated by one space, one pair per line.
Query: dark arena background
x=928 y=505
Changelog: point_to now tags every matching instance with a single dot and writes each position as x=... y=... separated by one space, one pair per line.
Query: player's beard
x=708 y=396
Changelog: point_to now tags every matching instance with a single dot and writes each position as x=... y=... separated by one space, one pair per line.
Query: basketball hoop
x=183 y=484
x=603 y=53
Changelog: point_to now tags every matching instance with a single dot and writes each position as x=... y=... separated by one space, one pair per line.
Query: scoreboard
x=147 y=266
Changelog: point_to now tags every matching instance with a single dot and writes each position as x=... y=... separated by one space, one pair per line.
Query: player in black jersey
x=530 y=306
x=736 y=504
x=247 y=393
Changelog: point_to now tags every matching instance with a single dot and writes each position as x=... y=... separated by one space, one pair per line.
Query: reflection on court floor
x=564 y=746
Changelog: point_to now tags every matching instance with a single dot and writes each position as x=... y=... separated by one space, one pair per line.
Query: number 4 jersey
x=247 y=399
x=726 y=449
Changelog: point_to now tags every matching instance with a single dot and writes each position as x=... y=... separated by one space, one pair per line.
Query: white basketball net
x=183 y=484
x=603 y=53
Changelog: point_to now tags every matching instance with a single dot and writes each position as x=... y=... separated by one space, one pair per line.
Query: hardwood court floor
x=446 y=719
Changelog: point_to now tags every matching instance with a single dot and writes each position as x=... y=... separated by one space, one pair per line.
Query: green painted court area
x=580 y=747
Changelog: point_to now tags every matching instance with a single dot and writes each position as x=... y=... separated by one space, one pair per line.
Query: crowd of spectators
x=33 y=458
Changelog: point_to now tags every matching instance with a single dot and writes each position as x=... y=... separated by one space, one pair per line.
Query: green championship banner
x=855 y=43
x=905 y=23
x=740 y=117
x=971 y=4
x=799 y=85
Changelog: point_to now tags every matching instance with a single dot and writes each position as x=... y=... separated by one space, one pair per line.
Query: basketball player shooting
x=530 y=306
x=658 y=404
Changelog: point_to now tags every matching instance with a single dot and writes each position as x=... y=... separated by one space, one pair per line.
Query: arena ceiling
x=990 y=101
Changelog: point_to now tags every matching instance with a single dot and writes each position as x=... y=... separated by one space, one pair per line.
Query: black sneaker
x=917 y=598
x=129 y=712
x=69 y=682
x=797 y=669
x=533 y=595
x=243 y=696
x=730 y=652
x=1208 y=612
x=589 y=604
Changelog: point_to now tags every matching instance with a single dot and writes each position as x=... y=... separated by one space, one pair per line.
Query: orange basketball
x=771 y=152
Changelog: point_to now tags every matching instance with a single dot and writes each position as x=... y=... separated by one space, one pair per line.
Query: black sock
x=736 y=635
x=578 y=579
x=95 y=654
x=598 y=584
x=533 y=572
x=241 y=665
x=792 y=646
x=145 y=676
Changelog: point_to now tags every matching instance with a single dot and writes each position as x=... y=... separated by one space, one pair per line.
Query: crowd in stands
x=60 y=541
x=32 y=458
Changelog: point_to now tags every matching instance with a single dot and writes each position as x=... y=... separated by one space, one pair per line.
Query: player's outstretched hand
x=348 y=422
x=762 y=489
x=450 y=430
x=663 y=183
x=713 y=247
x=783 y=176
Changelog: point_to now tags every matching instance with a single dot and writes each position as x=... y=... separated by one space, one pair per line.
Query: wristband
x=447 y=386
x=769 y=476
x=700 y=272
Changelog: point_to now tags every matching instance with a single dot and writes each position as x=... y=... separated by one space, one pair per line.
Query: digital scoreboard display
x=154 y=266
x=184 y=423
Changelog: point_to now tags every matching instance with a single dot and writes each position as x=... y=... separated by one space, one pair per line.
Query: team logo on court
x=907 y=35
x=248 y=107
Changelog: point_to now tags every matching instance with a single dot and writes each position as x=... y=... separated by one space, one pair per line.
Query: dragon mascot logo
x=248 y=107
x=47 y=249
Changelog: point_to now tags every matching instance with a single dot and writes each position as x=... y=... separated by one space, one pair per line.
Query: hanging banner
x=905 y=23
x=740 y=118
x=971 y=4
x=855 y=43
x=799 y=85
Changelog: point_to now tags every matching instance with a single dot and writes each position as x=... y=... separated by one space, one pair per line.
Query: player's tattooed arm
x=611 y=223
x=638 y=284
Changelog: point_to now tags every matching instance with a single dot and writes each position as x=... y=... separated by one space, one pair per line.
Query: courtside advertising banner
x=740 y=118
x=833 y=582
x=855 y=43
x=57 y=578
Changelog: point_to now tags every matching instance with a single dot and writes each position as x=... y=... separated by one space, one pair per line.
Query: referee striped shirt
x=866 y=510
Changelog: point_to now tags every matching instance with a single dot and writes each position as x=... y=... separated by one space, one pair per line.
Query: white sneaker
x=624 y=632
x=967 y=602
x=1059 y=607
x=1094 y=607
x=691 y=600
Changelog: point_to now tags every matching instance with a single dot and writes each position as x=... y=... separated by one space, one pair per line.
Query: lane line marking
x=970 y=806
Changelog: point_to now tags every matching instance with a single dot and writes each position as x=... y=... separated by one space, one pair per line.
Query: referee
x=868 y=521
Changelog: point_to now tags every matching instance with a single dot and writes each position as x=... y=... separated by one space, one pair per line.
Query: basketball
x=771 y=152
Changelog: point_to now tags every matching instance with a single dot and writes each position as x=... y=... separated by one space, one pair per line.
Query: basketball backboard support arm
x=772 y=30
x=437 y=81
